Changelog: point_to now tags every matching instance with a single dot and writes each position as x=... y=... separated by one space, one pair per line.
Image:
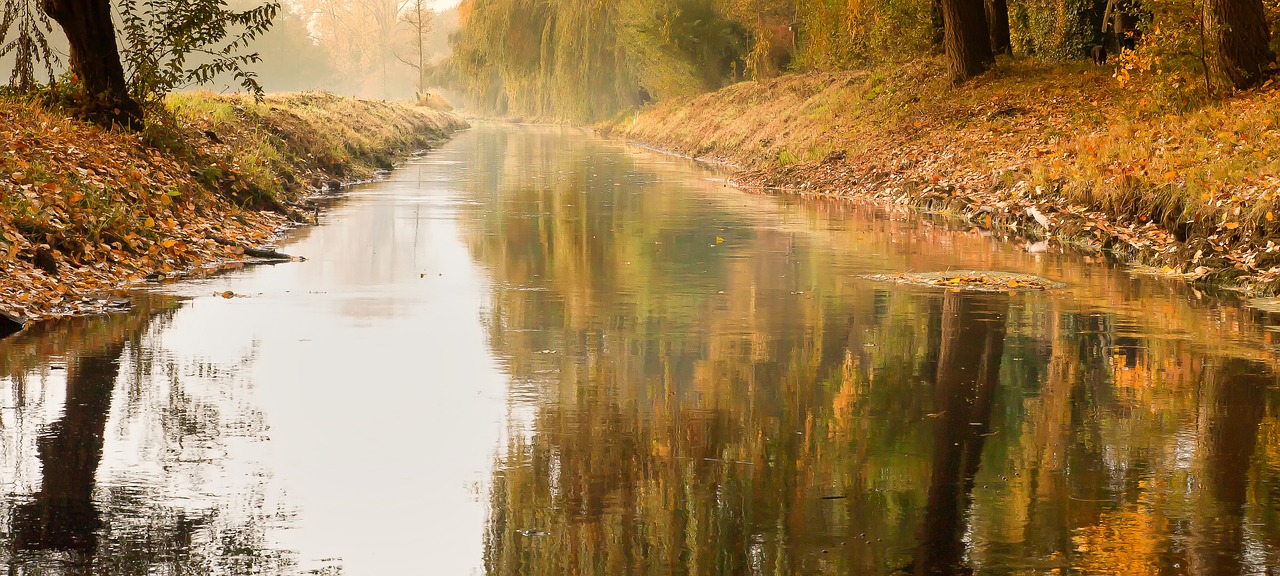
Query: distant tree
x=417 y=17
x=360 y=36
x=998 y=26
x=966 y=40
x=1242 y=41
x=95 y=60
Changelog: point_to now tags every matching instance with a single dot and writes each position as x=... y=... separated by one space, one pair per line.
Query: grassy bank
x=1045 y=152
x=86 y=210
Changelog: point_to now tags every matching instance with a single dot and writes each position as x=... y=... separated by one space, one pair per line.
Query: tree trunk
x=1240 y=37
x=95 y=59
x=998 y=26
x=935 y=17
x=967 y=44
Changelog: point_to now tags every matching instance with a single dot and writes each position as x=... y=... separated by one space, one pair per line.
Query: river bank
x=1056 y=154
x=86 y=211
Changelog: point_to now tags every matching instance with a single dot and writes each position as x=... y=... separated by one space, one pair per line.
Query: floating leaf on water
x=976 y=280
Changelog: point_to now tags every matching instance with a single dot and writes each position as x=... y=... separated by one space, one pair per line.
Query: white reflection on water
x=338 y=414
x=368 y=363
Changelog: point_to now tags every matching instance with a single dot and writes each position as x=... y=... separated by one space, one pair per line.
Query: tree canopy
x=585 y=60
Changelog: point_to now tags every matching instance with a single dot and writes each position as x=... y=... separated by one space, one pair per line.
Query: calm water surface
x=533 y=352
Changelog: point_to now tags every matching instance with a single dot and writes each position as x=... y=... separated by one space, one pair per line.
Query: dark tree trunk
x=935 y=17
x=95 y=59
x=967 y=44
x=1239 y=34
x=998 y=26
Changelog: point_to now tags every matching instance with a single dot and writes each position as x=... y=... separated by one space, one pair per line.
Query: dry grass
x=1061 y=139
x=290 y=142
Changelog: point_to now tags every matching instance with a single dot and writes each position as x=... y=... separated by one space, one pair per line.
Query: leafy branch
x=174 y=44
x=29 y=47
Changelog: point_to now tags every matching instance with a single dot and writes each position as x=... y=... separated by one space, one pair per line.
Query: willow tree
x=29 y=47
x=1241 y=39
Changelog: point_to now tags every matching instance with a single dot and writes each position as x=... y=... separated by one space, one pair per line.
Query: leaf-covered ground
x=1056 y=153
x=84 y=211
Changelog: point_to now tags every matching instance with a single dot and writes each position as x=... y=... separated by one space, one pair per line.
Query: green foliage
x=576 y=60
x=682 y=47
x=842 y=34
x=171 y=44
x=1055 y=30
x=587 y=59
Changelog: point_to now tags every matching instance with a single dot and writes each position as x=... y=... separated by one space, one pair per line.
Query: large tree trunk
x=967 y=44
x=998 y=26
x=1241 y=39
x=95 y=59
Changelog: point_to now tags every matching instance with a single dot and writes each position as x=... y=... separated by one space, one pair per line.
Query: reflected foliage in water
x=703 y=385
x=694 y=381
x=71 y=506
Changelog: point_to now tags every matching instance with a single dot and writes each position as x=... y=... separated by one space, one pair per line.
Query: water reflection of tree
x=972 y=345
x=1232 y=411
x=72 y=522
x=62 y=515
x=679 y=430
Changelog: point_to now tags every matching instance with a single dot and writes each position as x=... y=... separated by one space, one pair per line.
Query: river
x=536 y=352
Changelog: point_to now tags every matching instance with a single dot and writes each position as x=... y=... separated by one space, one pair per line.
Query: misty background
x=363 y=48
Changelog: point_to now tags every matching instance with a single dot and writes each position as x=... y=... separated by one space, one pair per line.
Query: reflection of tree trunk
x=62 y=516
x=973 y=328
x=933 y=338
x=1230 y=431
